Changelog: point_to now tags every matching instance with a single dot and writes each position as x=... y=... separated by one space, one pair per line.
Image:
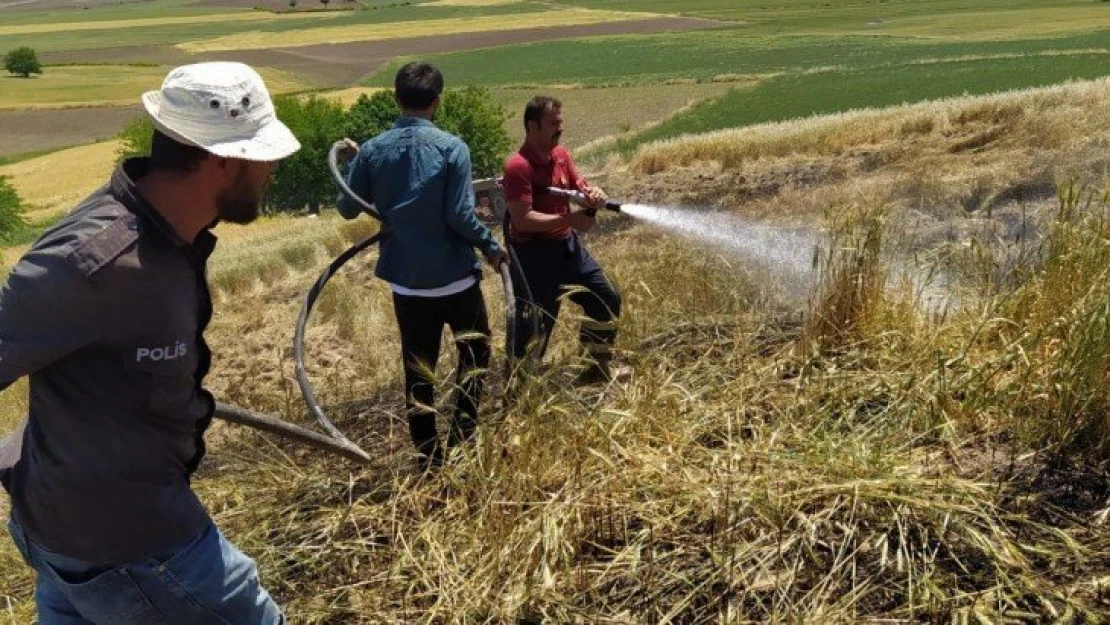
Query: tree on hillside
x=22 y=61
x=325 y=3
x=303 y=179
x=10 y=207
x=370 y=116
x=135 y=138
x=474 y=115
x=470 y=112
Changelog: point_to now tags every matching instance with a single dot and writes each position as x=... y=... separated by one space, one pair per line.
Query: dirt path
x=47 y=129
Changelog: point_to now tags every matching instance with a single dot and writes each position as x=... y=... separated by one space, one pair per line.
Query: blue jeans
x=206 y=581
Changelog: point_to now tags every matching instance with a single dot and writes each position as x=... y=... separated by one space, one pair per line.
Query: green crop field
x=793 y=96
x=797 y=76
x=112 y=12
x=658 y=58
x=919 y=18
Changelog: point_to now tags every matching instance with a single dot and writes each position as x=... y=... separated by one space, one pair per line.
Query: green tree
x=471 y=113
x=303 y=179
x=370 y=116
x=474 y=115
x=11 y=206
x=22 y=61
x=135 y=138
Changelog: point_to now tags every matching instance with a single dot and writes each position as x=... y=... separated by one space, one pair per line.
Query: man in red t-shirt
x=543 y=231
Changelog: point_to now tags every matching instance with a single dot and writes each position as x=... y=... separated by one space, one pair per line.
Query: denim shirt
x=418 y=178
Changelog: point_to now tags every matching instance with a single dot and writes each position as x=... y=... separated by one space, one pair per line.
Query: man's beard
x=238 y=211
x=236 y=204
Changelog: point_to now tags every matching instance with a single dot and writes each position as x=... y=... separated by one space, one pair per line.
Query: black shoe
x=426 y=463
x=603 y=374
x=462 y=430
x=595 y=373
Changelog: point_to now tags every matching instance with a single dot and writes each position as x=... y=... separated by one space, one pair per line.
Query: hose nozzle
x=580 y=198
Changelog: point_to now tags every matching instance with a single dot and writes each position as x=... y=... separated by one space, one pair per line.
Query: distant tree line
x=302 y=181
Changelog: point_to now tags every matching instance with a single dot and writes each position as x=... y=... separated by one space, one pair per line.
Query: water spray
x=784 y=252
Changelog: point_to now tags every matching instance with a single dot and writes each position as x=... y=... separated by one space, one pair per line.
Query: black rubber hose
x=510 y=315
x=532 y=312
x=310 y=300
x=336 y=442
x=273 y=425
x=298 y=340
x=333 y=166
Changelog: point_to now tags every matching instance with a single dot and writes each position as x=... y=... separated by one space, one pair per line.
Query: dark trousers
x=549 y=267
x=421 y=321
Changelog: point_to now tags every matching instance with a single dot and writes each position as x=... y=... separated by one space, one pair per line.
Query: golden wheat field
x=865 y=355
x=844 y=456
x=67 y=86
x=146 y=22
x=400 y=30
x=816 y=445
x=83 y=168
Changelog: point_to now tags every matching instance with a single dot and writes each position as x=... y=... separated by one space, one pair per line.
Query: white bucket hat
x=222 y=108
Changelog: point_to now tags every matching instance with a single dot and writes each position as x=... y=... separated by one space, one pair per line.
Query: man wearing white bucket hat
x=106 y=314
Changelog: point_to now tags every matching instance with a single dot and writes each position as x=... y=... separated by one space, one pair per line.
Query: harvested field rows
x=1001 y=24
x=148 y=22
x=401 y=30
x=22 y=132
x=39 y=11
x=54 y=183
x=97 y=85
x=339 y=65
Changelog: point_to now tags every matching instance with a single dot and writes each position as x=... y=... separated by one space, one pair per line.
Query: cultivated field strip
x=49 y=28
x=402 y=30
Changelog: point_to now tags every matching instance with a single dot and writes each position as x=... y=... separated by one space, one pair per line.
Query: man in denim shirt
x=418 y=178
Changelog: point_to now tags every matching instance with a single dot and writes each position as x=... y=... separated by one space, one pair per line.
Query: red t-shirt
x=526 y=170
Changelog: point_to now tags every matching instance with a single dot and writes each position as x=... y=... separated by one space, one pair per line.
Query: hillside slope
x=848 y=459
